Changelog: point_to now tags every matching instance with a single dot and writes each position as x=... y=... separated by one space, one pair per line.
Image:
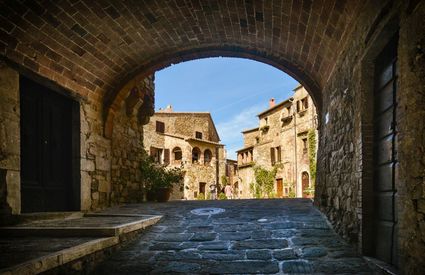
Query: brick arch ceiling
x=95 y=47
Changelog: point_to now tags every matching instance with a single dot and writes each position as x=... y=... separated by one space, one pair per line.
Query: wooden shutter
x=272 y=156
x=167 y=156
x=160 y=127
x=279 y=154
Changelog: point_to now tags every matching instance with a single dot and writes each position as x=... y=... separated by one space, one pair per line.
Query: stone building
x=285 y=133
x=188 y=140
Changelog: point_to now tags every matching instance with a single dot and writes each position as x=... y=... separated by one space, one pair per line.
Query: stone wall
x=412 y=139
x=10 y=195
x=127 y=144
x=179 y=132
x=286 y=135
x=95 y=158
x=344 y=179
x=99 y=165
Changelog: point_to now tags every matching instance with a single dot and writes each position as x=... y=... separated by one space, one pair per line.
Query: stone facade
x=232 y=177
x=281 y=139
x=9 y=143
x=345 y=170
x=190 y=141
x=106 y=178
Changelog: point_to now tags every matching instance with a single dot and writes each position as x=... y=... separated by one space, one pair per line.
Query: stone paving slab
x=250 y=237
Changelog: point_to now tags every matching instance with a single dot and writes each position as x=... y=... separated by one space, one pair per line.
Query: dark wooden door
x=305 y=182
x=279 y=188
x=46 y=149
x=202 y=187
x=385 y=155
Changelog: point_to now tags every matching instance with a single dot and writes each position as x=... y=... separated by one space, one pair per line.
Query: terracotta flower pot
x=151 y=195
x=163 y=194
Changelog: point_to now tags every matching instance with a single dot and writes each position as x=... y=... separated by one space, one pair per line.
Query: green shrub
x=222 y=196
x=200 y=197
x=155 y=176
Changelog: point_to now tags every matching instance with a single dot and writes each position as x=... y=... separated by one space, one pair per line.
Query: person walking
x=213 y=191
x=228 y=191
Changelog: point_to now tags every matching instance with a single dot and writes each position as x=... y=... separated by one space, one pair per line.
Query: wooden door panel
x=384 y=235
x=279 y=188
x=384 y=177
x=386 y=75
x=384 y=99
x=385 y=155
x=384 y=124
x=46 y=149
x=384 y=206
x=384 y=150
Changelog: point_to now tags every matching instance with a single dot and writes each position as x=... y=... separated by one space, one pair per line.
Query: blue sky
x=233 y=90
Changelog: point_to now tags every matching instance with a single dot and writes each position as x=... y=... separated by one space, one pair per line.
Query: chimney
x=271 y=103
x=169 y=109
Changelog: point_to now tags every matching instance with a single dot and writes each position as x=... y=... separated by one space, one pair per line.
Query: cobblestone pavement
x=251 y=236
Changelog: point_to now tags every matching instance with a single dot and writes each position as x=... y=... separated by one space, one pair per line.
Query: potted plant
x=158 y=180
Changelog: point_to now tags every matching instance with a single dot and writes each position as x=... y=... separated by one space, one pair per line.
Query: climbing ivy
x=312 y=154
x=264 y=182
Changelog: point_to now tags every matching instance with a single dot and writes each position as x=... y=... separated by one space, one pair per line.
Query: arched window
x=177 y=154
x=207 y=156
x=196 y=155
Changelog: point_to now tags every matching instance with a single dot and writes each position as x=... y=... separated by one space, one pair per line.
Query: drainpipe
x=217 y=169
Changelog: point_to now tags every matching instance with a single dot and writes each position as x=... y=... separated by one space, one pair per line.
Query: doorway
x=202 y=188
x=305 y=182
x=50 y=138
x=385 y=155
x=279 y=188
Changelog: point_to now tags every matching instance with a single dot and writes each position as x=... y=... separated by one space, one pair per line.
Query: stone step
x=40 y=245
x=47 y=253
x=90 y=225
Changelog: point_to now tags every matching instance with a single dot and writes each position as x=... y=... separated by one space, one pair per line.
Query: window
x=207 y=156
x=202 y=187
x=304 y=103
x=279 y=154
x=304 y=145
x=196 y=155
x=156 y=154
x=275 y=155
x=178 y=154
x=272 y=156
x=160 y=127
x=198 y=135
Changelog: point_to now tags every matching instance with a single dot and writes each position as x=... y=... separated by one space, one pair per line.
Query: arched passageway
x=96 y=52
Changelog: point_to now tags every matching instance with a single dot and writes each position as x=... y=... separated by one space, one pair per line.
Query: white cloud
x=230 y=130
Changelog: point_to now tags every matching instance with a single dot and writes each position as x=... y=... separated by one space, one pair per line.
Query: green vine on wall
x=312 y=143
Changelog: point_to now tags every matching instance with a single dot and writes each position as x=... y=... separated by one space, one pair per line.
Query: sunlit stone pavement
x=250 y=236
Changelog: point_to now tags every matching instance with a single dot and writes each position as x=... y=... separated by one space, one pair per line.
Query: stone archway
x=114 y=98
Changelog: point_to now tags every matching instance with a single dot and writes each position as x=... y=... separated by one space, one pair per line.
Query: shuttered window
x=160 y=127
x=167 y=156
